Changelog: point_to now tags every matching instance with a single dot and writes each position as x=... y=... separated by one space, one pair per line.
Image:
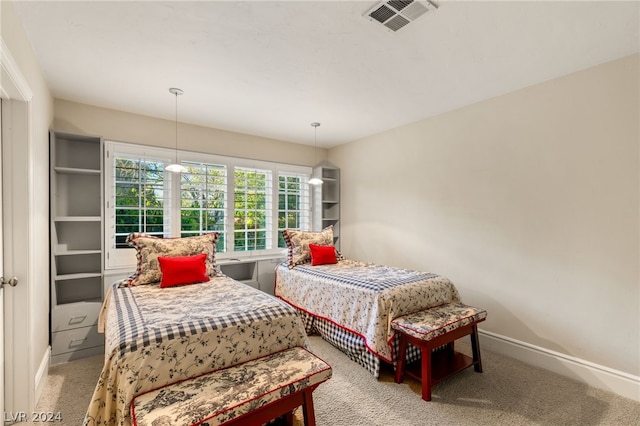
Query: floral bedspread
x=363 y=298
x=154 y=337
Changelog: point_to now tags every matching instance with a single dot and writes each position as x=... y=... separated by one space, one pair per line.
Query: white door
x=18 y=388
x=4 y=283
x=7 y=376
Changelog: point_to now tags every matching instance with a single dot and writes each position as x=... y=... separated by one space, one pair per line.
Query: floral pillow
x=149 y=249
x=298 y=244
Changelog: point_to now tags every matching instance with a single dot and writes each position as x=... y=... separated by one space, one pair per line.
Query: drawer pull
x=77 y=320
x=76 y=342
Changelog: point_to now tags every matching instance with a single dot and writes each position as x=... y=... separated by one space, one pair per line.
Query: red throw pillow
x=322 y=255
x=181 y=270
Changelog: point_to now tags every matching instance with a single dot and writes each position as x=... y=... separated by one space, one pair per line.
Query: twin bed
x=351 y=304
x=156 y=335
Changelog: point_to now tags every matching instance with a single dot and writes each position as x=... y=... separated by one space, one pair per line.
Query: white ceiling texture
x=270 y=68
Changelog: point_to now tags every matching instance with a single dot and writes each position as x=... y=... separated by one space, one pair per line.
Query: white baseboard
x=599 y=376
x=42 y=374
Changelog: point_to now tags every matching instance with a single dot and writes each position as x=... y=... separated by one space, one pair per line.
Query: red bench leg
x=307 y=409
x=426 y=372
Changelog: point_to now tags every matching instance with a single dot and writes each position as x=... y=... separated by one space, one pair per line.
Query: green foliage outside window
x=203 y=201
x=250 y=209
x=140 y=204
x=289 y=205
x=138 y=198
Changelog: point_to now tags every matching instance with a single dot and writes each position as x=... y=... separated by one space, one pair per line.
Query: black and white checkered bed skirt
x=351 y=344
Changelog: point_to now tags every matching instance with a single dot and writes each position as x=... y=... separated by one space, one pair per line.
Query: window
x=139 y=198
x=203 y=200
x=249 y=203
x=293 y=204
x=252 y=209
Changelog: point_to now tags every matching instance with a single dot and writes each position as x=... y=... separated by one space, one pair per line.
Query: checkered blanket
x=157 y=336
x=362 y=298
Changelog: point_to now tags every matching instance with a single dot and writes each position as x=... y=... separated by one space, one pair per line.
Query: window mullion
x=275 y=201
x=230 y=225
x=141 y=203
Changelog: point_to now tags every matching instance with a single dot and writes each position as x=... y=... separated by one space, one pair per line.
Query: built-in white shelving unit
x=326 y=200
x=76 y=245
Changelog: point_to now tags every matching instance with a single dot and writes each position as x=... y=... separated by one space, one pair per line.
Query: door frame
x=20 y=388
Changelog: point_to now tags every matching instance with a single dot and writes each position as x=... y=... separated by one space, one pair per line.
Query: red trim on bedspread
x=364 y=339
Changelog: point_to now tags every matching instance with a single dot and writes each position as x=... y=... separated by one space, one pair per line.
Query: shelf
x=77 y=219
x=76 y=171
x=96 y=300
x=76 y=151
x=77 y=276
x=330 y=174
x=72 y=235
x=75 y=252
x=77 y=288
x=443 y=364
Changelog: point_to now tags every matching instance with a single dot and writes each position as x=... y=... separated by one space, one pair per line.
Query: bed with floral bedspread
x=157 y=336
x=353 y=303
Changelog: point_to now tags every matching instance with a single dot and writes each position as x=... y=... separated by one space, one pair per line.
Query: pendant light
x=176 y=167
x=315 y=180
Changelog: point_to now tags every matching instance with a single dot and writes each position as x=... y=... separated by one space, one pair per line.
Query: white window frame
x=125 y=258
x=120 y=258
x=305 y=222
x=210 y=161
x=269 y=195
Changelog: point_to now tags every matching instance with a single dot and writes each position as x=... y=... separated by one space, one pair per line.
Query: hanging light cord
x=175 y=92
x=315 y=180
x=175 y=167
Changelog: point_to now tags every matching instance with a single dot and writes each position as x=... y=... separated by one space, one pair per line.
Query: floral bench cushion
x=434 y=322
x=230 y=392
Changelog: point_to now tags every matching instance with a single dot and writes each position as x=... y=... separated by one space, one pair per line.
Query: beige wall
x=30 y=250
x=126 y=127
x=528 y=202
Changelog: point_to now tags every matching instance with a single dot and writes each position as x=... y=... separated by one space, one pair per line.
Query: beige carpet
x=509 y=392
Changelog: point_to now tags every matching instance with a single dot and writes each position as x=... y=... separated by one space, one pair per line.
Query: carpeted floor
x=508 y=392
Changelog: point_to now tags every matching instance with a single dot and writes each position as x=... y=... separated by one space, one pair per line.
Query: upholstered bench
x=251 y=393
x=438 y=328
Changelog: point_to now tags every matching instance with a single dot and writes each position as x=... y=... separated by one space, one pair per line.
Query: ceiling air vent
x=395 y=14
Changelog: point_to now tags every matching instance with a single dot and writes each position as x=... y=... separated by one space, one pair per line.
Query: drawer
x=72 y=356
x=76 y=339
x=74 y=315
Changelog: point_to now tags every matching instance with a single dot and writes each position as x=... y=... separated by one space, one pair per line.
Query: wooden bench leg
x=426 y=373
x=475 y=349
x=307 y=409
x=401 y=359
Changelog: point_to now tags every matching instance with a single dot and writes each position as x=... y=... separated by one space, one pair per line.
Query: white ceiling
x=270 y=68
